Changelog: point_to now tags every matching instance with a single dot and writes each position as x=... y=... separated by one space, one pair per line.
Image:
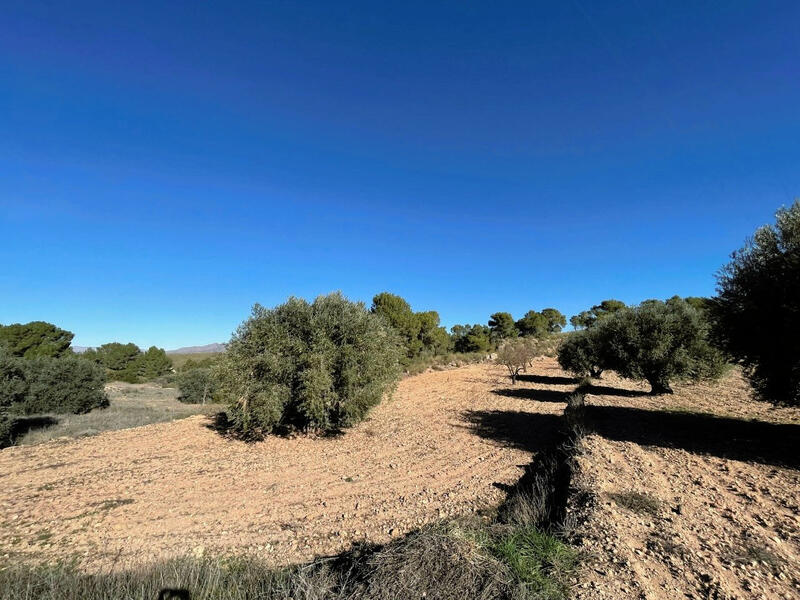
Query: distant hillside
x=80 y=349
x=199 y=349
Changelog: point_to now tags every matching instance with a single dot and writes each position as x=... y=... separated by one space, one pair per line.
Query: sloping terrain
x=696 y=495
x=439 y=447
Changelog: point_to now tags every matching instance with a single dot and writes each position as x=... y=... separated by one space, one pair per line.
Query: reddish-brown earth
x=173 y=488
x=725 y=521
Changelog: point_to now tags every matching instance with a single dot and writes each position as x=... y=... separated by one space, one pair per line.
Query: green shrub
x=317 y=366
x=581 y=353
x=755 y=314
x=152 y=364
x=419 y=331
x=13 y=380
x=540 y=560
x=63 y=385
x=6 y=431
x=471 y=338
x=196 y=386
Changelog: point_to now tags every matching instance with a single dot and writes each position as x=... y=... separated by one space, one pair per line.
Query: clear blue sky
x=164 y=165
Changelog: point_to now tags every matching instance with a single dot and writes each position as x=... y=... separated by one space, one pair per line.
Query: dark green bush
x=419 y=331
x=501 y=325
x=152 y=364
x=197 y=386
x=63 y=385
x=580 y=353
x=317 y=366
x=13 y=380
x=756 y=313
x=471 y=338
x=6 y=431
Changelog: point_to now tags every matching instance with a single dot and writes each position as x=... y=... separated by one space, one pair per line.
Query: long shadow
x=548 y=379
x=605 y=390
x=23 y=425
x=526 y=431
x=757 y=441
x=533 y=394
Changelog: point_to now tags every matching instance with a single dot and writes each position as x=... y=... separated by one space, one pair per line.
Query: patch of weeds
x=665 y=547
x=46 y=487
x=349 y=479
x=761 y=555
x=100 y=507
x=637 y=502
x=540 y=560
x=113 y=503
x=43 y=535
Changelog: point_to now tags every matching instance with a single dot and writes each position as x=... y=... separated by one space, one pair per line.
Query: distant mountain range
x=187 y=350
x=199 y=349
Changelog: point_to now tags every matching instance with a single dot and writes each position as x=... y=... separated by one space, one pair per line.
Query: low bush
x=64 y=385
x=539 y=559
x=308 y=366
x=637 y=502
x=515 y=355
x=196 y=386
x=6 y=431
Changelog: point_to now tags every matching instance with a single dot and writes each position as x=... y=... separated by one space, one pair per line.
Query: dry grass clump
x=637 y=502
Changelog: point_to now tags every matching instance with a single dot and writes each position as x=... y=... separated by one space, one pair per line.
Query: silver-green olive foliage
x=658 y=342
x=308 y=366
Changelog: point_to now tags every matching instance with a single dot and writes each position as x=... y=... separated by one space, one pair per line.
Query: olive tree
x=581 y=353
x=756 y=313
x=515 y=355
x=658 y=342
x=308 y=366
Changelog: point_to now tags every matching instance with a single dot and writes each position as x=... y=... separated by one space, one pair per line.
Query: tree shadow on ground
x=548 y=379
x=534 y=394
x=725 y=437
x=527 y=431
x=605 y=390
x=23 y=425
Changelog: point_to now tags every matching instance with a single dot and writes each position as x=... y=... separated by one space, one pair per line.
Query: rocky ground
x=690 y=505
x=439 y=447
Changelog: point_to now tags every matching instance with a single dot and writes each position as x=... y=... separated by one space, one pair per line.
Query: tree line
x=322 y=364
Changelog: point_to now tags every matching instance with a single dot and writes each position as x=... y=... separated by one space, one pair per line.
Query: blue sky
x=163 y=166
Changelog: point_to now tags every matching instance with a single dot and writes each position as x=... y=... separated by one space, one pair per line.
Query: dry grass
x=178 y=360
x=132 y=405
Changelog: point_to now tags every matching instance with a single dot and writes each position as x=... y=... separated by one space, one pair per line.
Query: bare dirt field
x=690 y=505
x=437 y=448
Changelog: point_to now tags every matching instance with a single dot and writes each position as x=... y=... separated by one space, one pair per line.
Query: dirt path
x=723 y=521
x=123 y=497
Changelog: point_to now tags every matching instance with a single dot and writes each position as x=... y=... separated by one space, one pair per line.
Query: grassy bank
x=131 y=405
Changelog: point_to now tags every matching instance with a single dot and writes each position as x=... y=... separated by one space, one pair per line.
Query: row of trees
x=753 y=321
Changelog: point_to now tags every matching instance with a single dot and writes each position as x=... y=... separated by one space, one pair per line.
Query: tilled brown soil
x=436 y=449
x=723 y=517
